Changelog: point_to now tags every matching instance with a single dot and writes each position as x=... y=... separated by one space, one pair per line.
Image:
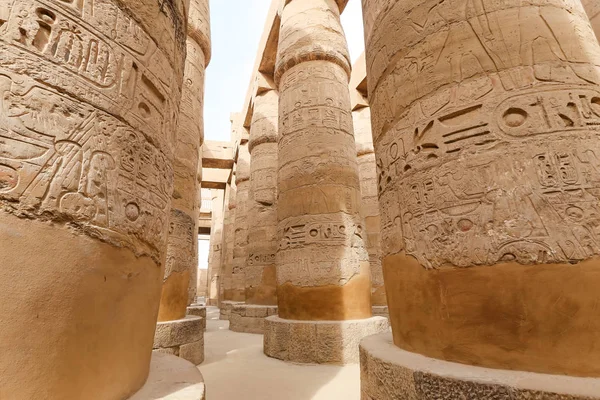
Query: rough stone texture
x=198 y=311
x=390 y=373
x=381 y=311
x=249 y=318
x=226 y=307
x=322 y=263
x=592 y=8
x=485 y=122
x=319 y=342
x=216 y=247
x=179 y=286
x=259 y=273
x=367 y=170
x=225 y=292
x=178 y=332
x=88 y=106
x=193 y=352
x=172 y=378
x=240 y=243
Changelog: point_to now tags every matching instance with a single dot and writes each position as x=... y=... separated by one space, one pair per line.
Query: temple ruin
x=417 y=223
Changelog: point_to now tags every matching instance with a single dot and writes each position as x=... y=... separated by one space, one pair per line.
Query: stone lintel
x=171 y=378
x=250 y=318
x=319 y=342
x=388 y=372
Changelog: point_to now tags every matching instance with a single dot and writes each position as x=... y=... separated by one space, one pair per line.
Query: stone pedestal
x=88 y=106
x=172 y=378
x=319 y=342
x=226 y=307
x=381 y=311
x=390 y=373
x=183 y=338
x=198 y=311
x=249 y=318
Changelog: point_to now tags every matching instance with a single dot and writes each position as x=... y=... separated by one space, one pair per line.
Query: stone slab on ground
x=390 y=373
x=226 y=307
x=171 y=378
x=250 y=318
x=319 y=342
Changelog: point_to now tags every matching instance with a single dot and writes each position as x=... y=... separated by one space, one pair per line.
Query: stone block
x=193 y=352
x=248 y=318
x=319 y=342
x=226 y=307
x=390 y=373
x=178 y=332
x=198 y=311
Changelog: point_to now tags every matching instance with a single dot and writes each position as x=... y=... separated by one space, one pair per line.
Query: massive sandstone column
x=259 y=271
x=216 y=247
x=367 y=171
x=182 y=248
x=225 y=287
x=485 y=121
x=592 y=7
x=322 y=265
x=89 y=95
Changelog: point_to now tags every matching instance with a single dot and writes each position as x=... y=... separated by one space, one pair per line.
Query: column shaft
x=485 y=122
x=216 y=247
x=88 y=106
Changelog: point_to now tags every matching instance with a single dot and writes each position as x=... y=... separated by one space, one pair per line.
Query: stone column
x=174 y=332
x=240 y=226
x=367 y=171
x=259 y=271
x=322 y=265
x=485 y=121
x=592 y=8
x=87 y=112
x=216 y=247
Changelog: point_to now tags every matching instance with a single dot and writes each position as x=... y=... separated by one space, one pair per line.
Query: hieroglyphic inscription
x=490 y=153
x=86 y=115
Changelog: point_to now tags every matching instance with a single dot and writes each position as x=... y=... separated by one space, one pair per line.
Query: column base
x=250 y=318
x=319 y=342
x=226 y=307
x=381 y=311
x=183 y=338
x=198 y=311
x=388 y=372
x=171 y=378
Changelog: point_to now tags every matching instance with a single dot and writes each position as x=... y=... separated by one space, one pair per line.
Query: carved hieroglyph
x=367 y=171
x=240 y=226
x=259 y=273
x=486 y=117
x=89 y=99
x=182 y=249
x=322 y=263
x=592 y=8
x=216 y=247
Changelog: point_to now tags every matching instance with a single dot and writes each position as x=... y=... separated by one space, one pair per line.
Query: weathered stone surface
x=226 y=307
x=240 y=242
x=193 y=352
x=216 y=247
x=322 y=262
x=198 y=311
x=260 y=276
x=484 y=122
x=228 y=236
x=88 y=106
x=249 y=318
x=172 y=378
x=592 y=8
x=178 y=332
x=319 y=342
x=179 y=287
x=381 y=311
x=388 y=372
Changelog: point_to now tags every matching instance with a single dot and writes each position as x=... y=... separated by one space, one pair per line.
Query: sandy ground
x=235 y=368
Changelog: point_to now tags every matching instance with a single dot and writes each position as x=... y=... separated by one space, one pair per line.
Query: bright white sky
x=237 y=26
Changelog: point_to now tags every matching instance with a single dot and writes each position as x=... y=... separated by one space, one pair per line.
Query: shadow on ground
x=236 y=368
